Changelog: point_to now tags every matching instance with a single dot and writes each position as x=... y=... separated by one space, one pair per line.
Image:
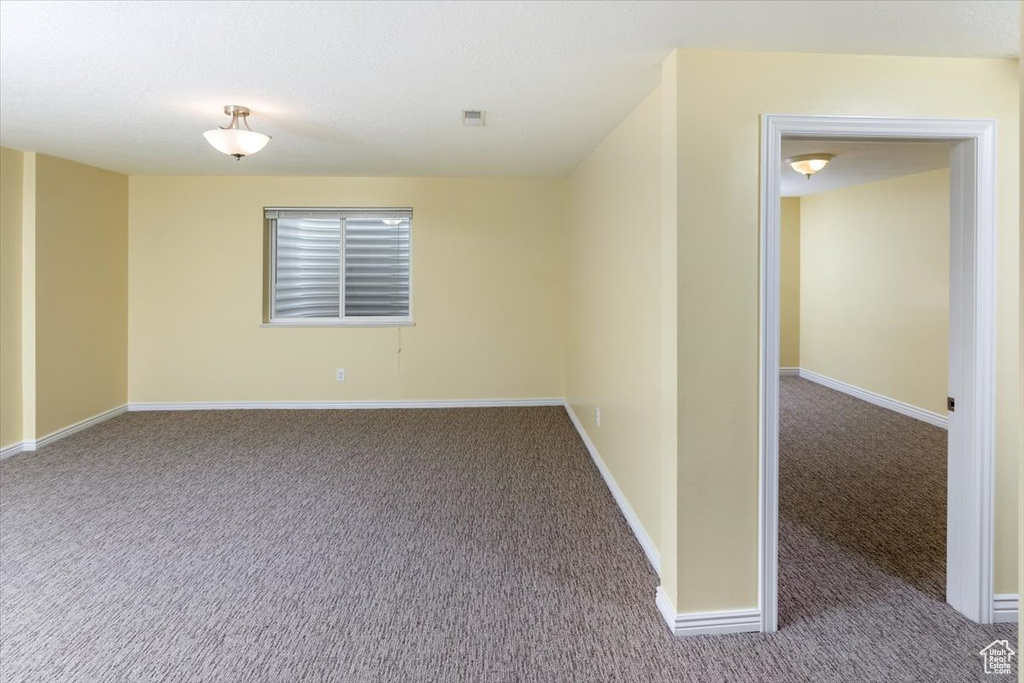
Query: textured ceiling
x=856 y=163
x=376 y=88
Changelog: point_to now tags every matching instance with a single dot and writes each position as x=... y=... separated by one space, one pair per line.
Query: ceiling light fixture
x=233 y=139
x=809 y=164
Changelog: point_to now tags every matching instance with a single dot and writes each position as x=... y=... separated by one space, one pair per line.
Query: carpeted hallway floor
x=434 y=545
x=866 y=478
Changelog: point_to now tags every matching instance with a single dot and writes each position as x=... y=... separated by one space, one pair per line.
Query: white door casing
x=971 y=343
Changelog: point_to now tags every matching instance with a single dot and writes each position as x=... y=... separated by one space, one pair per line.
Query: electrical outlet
x=340 y=374
x=597 y=416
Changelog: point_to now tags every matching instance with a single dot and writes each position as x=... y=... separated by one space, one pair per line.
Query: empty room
x=510 y=341
x=865 y=366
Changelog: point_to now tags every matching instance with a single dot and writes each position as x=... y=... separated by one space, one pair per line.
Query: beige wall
x=81 y=242
x=65 y=298
x=488 y=293
x=721 y=98
x=612 y=354
x=10 y=296
x=875 y=287
x=789 y=295
x=668 y=334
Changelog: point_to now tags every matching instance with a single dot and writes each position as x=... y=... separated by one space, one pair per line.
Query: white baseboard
x=871 y=397
x=33 y=445
x=346 y=405
x=789 y=372
x=705 y=623
x=653 y=556
x=1006 y=608
x=13 y=449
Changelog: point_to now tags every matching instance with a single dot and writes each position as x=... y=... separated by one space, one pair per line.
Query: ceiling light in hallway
x=809 y=164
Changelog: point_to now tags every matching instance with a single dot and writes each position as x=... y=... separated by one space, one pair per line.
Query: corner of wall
x=11 y=172
x=87 y=265
x=28 y=297
x=669 y=332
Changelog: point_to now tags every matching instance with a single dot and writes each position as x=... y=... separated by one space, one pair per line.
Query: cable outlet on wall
x=339 y=374
x=597 y=416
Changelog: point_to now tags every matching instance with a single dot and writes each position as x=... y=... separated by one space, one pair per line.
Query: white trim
x=373 y=212
x=768 y=379
x=877 y=399
x=789 y=372
x=642 y=537
x=346 y=405
x=970 y=508
x=79 y=426
x=1005 y=608
x=13 y=449
x=703 y=623
x=970 y=513
x=350 y=321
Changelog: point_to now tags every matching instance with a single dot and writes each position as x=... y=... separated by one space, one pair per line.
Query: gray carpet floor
x=441 y=545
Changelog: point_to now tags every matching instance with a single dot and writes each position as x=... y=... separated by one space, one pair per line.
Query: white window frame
x=270 y=228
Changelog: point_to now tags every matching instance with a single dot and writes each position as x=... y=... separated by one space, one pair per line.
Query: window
x=338 y=267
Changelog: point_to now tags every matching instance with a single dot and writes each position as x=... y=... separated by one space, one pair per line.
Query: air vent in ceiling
x=473 y=117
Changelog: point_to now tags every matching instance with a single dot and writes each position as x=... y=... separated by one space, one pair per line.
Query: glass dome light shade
x=809 y=164
x=238 y=143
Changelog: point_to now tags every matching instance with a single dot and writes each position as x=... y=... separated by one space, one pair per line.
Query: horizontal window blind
x=308 y=266
x=376 y=267
x=340 y=263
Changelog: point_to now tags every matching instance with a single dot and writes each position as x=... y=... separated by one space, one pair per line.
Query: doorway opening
x=864 y=338
x=971 y=292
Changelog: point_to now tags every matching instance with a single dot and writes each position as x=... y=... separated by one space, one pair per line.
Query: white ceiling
x=376 y=88
x=856 y=163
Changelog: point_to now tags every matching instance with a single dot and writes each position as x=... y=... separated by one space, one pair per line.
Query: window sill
x=378 y=322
